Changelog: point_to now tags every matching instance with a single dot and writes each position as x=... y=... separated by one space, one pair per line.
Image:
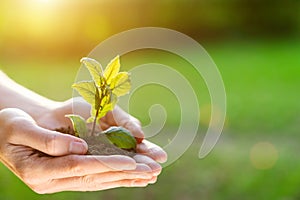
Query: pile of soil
x=99 y=145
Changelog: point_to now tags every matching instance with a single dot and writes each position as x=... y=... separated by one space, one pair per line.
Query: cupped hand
x=55 y=118
x=48 y=161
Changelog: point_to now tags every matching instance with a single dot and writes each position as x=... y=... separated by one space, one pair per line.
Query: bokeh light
x=263 y=155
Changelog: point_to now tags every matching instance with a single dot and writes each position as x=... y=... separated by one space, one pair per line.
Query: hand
x=55 y=118
x=118 y=117
x=48 y=161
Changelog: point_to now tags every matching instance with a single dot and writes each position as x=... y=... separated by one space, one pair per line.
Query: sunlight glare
x=44 y=1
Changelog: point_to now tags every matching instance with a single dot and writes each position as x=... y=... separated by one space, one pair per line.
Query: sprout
x=102 y=94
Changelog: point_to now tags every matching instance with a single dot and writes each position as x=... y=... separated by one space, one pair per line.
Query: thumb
x=50 y=142
x=129 y=122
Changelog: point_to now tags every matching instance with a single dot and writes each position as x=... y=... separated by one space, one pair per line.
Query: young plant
x=102 y=94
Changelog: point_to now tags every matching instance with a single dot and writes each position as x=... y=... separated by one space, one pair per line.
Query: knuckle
x=50 y=143
x=13 y=125
x=17 y=125
x=88 y=181
x=14 y=116
x=136 y=121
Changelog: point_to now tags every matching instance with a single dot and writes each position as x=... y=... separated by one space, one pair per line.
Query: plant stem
x=94 y=123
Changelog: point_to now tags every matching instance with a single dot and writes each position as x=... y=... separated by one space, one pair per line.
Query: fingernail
x=158 y=155
x=142 y=168
x=78 y=147
x=155 y=167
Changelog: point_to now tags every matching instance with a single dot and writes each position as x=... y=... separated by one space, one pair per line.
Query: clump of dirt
x=65 y=130
x=99 y=145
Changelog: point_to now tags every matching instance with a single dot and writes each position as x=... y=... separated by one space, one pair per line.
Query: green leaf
x=79 y=125
x=120 y=137
x=112 y=70
x=103 y=91
x=109 y=103
x=121 y=84
x=87 y=90
x=94 y=68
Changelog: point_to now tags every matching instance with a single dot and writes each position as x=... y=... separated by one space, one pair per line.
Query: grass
x=262 y=84
x=262 y=80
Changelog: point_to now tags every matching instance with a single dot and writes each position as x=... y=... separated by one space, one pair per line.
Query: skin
x=27 y=121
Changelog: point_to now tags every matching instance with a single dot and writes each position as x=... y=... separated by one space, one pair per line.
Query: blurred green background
x=255 y=45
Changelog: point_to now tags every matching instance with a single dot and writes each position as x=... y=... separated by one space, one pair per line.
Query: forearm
x=13 y=95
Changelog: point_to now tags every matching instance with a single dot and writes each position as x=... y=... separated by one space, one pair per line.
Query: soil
x=99 y=145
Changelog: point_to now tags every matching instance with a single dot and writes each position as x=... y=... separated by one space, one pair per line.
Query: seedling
x=102 y=94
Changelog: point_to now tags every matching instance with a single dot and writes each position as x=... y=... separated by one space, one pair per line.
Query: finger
x=134 y=126
x=113 y=176
x=153 y=151
x=120 y=118
x=100 y=181
x=153 y=180
x=78 y=106
x=50 y=142
x=87 y=184
x=141 y=167
x=155 y=167
x=78 y=165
